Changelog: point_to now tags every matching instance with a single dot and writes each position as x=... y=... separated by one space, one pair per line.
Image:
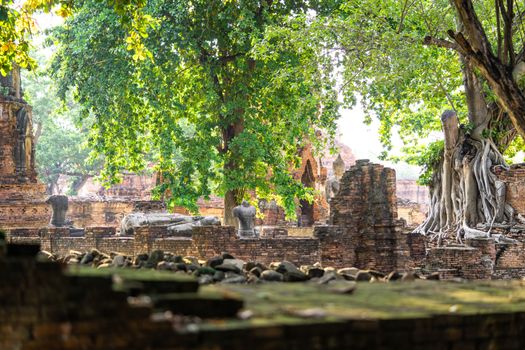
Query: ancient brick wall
x=210 y=241
x=9 y=139
x=25 y=213
x=20 y=214
x=459 y=261
x=479 y=258
x=271 y=214
x=60 y=241
x=21 y=195
x=367 y=197
x=136 y=186
x=413 y=213
x=410 y=191
x=207 y=242
x=336 y=247
x=365 y=208
x=98 y=213
x=510 y=255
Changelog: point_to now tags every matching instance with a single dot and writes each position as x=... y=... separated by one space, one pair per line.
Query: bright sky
x=364 y=141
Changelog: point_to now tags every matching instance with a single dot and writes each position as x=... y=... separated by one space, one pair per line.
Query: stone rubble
x=228 y=269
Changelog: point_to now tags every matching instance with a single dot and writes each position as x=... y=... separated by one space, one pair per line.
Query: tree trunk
x=464 y=189
x=78 y=183
x=37 y=134
x=232 y=199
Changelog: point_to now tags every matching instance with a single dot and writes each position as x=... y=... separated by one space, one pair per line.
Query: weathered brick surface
x=367 y=197
x=273 y=232
x=336 y=247
x=459 y=261
x=26 y=211
x=21 y=195
x=487 y=246
x=480 y=258
x=366 y=211
x=8 y=141
x=43 y=309
x=365 y=233
x=84 y=212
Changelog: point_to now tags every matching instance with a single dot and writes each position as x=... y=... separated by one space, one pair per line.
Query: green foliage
x=17 y=25
x=14 y=28
x=399 y=80
x=61 y=145
x=427 y=157
x=225 y=100
x=515 y=147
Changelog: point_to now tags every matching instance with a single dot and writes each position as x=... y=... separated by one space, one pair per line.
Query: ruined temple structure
x=363 y=231
x=22 y=196
x=312 y=174
x=364 y=212
x=23 y=203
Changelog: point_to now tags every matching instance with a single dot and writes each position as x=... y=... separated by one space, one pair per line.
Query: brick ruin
x=365 y=209
x=362 y=230
x=486 y=258
x=22 y=197
x=317 y=173
x=367 y=191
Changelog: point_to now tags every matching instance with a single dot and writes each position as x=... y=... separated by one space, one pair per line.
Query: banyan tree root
x=465 y=191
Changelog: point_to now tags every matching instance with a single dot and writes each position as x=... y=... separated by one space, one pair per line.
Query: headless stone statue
x=332 y=185
x=20 y=147
x=59 y=203
x=245 y=213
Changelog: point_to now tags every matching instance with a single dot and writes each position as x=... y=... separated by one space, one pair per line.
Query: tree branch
x=440 y=42
x=477 y=50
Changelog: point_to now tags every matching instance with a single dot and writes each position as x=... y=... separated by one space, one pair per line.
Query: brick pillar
x=367 y=197
x=49 y=237
x=45 y=239
x=365 y=208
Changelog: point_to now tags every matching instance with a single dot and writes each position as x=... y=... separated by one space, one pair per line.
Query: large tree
x=221 y=94
x=407 y=75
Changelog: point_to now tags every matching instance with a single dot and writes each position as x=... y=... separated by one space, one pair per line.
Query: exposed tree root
x=465 y=190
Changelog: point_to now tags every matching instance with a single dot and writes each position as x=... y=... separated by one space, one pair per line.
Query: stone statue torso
x=245 y=213
x=20 y=147
x=60 y=205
